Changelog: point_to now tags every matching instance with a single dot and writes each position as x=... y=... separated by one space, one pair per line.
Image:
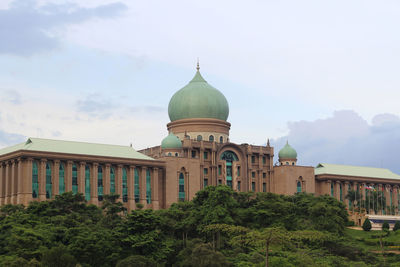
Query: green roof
x=198 y=99
x=80 y=148
x=287 y=152
x=359 y=171
x=171 y=141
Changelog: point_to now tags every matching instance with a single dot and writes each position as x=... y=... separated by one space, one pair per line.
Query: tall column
x=345 y=188
x=42 y=180
x=337 y=190
x=81 y=177
x=118 y=182
x=27 y=185
x=396 y=199
x=13 y=182
x=106 y=178
x=68 y=176
x=93 y=184
x=2 y=184
x=387 y=195
x=56 y=177
x=131 y=188
x=155 y=196
x=20 y=196
x=142 y=185
x=8 y=183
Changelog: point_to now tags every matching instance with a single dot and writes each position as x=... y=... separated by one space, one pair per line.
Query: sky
x=323 y=75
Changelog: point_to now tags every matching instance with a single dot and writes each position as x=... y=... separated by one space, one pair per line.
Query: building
x=197 y=152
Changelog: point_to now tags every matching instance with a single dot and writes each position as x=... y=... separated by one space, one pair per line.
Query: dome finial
x=198 y=65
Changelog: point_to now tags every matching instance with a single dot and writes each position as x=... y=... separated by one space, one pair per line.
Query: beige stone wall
x=286 y=178
x=205 y=136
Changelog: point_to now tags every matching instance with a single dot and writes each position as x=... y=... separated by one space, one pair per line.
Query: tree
x=396 y=226
x=58 y=257
x=203 y=255
x=385 y=226
x=367 y=225
x=136 y=261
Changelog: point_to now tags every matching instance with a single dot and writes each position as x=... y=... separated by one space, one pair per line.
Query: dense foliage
x=367 y=225
x=219 y=227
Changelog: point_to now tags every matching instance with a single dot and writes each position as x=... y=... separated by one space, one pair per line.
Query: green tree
x=396 y=226
x=385 y=226
x=136 y=261
x=58 y=257
x=367 y=225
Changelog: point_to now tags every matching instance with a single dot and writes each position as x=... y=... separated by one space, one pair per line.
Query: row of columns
x=361 y=186
x=16 y=181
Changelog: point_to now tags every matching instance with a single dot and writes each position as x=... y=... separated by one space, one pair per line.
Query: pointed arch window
x=61 y=179
x=87 y=183
x=74 y=179
x=137 y=187
x=112 y=180
x=124 y=185
x=48 y=181
x=221 y=139
x=211 y=138
x=181 y=187
x=100 y=183
x=35 y=180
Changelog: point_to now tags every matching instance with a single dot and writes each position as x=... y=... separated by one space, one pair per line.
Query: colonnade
x=21 y=178
x=375 y=198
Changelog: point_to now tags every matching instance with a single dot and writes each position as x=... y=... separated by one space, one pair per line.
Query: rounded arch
x=234 y=148
x=211 y=138
x=199 y=137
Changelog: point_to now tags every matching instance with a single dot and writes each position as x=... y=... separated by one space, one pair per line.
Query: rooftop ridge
x=81 y=142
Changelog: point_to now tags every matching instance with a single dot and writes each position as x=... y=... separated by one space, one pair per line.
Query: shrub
x=366 y=225
x=396 y=226
x=385 y=226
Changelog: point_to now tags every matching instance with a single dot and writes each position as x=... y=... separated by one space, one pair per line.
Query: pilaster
x=155 y=196
x=81 y=177
x=68 y=176
x=42 y=180
x=56 y=177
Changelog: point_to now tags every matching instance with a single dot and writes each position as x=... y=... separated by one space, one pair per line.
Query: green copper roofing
x=347 y=170
x=71 y=147
x=171 y=141
x=287 y=152
x=198 y=99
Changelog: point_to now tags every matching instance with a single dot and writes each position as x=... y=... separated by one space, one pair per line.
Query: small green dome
x=198 y=99
x=287 y=152
x=171 y=141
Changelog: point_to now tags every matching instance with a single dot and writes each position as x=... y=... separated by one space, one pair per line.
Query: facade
x=197 y=152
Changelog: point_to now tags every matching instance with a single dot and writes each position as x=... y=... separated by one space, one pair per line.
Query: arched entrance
x=229 y=156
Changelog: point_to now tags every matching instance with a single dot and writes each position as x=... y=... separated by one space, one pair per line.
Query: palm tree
x=354 y=197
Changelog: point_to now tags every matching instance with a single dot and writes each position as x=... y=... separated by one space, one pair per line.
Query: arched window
x=221 y=139
x=74 y=179
x=211 y=138
x=298 y=187
x=61 y=180
x=137 y=188
x=124 y=186
x=148 y=186
x=112 y=180
x=100 y=183
x=199 y=138
x=48 y=181
x=169 y=154
x=293 y=163
x=35 y=180
x=181 y=187
x=87 y=183
x=287 y=163
x=176 y=154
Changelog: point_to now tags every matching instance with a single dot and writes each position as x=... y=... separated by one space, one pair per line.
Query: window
x=221 y=139
x=148 y=186
x=205 y=155
x=205 y=171
x=112 y=180
x=219 y=181
x=61 y=186
x=87 y=183
x=181 y=187
x=264 y=160
x=298 y=186
x=349 y=189
x=176 y=154
x=287 y=163
x=219 y=170
x=199 y=138
x=205 y=182
x=253 y=174
x=253 y=186
x=253 y=159
x=169 y=154
x=238 y=170
x=238 y=185
x=124 y=185
x=193 y=153
x=264 y=175
x=264 y=187
x=137 y=188
x=341 y=192
x=211 y=138
x=100 y=183
x=74 y=179
x=35 y=180
x=332 y=189
x=48 y=181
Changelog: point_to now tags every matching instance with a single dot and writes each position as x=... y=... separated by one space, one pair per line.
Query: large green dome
x=171 y=141
x=198 y=99
x=287 y=152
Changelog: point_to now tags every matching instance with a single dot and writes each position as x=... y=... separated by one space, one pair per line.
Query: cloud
x=26 y=28
x=11 y=96
x=346 y=138
x=148 y=109
x=7 y=139
x=96 y=106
